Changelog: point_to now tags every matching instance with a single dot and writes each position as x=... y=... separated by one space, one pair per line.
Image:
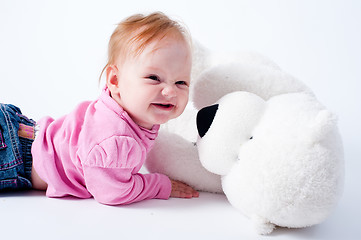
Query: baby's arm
x=111 y=174
x=182 y=190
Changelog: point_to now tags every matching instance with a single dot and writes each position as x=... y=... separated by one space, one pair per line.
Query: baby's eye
x=153 y=77
x=181 y=83
x=251 y=138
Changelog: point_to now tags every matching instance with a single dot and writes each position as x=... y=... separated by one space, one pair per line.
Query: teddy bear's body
x=265 y=141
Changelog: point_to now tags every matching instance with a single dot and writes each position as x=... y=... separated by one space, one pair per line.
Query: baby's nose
x=169 y=91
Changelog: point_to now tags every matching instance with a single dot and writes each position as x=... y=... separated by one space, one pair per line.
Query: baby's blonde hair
x=134 y=33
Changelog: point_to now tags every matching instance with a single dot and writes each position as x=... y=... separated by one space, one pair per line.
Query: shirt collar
x=142 y=132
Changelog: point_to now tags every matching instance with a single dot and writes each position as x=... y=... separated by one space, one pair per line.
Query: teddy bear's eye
x=251 y=138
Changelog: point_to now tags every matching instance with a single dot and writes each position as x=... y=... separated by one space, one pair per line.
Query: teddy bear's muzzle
x=205 y=118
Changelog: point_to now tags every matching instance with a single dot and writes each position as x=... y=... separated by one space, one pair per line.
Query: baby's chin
x=164 y=118
x=163 y=121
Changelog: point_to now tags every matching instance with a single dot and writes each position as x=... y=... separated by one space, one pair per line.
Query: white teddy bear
x=264 y=140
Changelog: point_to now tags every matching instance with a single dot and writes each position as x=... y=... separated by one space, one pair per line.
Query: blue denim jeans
x=15 y=151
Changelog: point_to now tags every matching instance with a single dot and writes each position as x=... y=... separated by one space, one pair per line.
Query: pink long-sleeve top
x=97 y=151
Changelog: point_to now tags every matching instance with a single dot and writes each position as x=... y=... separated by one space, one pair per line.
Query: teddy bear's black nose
x=205 y=118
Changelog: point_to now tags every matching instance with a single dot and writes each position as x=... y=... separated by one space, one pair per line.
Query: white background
x=51 y=55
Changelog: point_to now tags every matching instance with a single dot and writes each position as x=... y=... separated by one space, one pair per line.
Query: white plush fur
x=290 y=173
x=272 y=148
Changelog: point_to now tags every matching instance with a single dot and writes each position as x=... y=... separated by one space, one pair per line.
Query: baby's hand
x=182 y=190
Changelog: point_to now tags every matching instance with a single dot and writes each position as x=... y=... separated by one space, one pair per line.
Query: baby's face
x=153 y=87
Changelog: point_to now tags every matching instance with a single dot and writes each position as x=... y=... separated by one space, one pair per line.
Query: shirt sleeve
x=112 y=178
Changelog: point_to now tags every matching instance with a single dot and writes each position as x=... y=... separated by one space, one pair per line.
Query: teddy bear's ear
x=205 y=118
x=326 y=122
x=217 y=74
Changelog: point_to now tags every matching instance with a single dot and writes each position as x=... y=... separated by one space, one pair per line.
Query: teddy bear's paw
x=262 y=225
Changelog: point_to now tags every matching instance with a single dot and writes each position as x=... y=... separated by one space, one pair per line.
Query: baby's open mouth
x=164 y=106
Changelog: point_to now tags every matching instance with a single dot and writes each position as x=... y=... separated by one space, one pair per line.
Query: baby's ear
x=112 y=79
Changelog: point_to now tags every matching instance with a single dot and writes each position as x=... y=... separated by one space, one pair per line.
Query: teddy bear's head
x=281 y=158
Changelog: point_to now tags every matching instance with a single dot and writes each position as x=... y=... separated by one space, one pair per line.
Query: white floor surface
x=31 y=215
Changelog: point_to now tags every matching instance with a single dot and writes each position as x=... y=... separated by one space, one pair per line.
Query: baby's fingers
x=182 y=190
x=181 y=194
